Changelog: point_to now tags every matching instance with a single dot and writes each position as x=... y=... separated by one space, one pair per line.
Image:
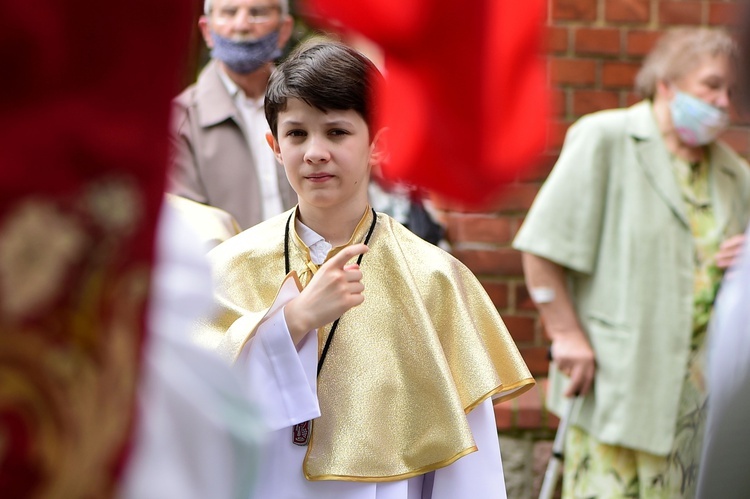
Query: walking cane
x=552 y=475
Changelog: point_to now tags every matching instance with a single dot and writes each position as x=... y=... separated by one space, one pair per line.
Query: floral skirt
x=594 y=470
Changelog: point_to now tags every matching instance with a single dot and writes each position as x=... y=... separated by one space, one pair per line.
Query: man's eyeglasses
x=254 y=15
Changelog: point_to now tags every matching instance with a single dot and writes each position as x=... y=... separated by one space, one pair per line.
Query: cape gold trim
x=396 y=478
x=508 y=392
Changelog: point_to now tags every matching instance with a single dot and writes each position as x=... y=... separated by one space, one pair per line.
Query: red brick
x=478 y=228
x=724 y=14
x=526 y=411
x=558 y=102
x=536 y=359
x=522 y=329
x=632 y=98
x=514 y=198
x=739 y=117
x=538 y=170
x=504 y=415
x=619 y=74
x=589 y=101
x=572 y=71
x=523 y=299
x=503 y=261
x=498 y=293
x=604 y=41
x=672 y=13
x=519 y=222
x=640 y=42
x=530 y=407
x=738 y=139
x=552 y=421
x=574 y=10
x=443 y=203
x=556 y=134
x=629 y=11
x=511 y=197
x=556 y=39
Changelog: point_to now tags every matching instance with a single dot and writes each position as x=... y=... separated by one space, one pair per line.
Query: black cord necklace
x=327 y=345
x=301 y=431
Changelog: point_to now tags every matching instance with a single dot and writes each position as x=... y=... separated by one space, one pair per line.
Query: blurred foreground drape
x=85 y=106
x=465 y=97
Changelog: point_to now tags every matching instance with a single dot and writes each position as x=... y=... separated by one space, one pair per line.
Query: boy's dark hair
x=327 y=75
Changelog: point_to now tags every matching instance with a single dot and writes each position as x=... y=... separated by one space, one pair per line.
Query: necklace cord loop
x=287 y=268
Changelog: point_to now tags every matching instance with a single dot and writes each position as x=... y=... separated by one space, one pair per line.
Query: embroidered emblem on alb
x=301 y=433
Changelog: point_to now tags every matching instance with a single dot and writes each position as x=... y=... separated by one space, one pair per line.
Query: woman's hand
x=335 y=288
x=570 y=349
x=729 y=251
x=574 y=357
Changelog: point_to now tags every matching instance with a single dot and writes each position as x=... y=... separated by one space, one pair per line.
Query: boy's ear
x=379 y=152
x=274 y=145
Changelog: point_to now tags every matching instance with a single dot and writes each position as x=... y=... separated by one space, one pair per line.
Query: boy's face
x=327 y=156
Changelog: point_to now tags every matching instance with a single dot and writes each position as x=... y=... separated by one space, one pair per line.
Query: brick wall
x=594 y=49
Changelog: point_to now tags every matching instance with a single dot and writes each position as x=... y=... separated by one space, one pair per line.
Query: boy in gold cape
x=377 y=378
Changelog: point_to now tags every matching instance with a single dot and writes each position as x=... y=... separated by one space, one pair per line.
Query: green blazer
x=611 y=212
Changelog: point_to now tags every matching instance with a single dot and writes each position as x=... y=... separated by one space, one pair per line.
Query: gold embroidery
x=38 y=245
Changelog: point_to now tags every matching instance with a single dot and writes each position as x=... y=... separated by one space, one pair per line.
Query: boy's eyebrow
x=290 y=122
x=339 y=122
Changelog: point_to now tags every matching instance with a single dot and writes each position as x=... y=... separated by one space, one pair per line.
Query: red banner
x=85 y=98
x=466 y=95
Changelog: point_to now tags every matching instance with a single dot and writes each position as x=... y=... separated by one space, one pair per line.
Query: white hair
x=283 y=4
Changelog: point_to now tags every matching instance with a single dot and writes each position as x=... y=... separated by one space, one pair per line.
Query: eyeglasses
x=253 y=15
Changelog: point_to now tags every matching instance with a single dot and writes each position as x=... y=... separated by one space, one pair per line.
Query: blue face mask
x=697 y=122
x=246 y=57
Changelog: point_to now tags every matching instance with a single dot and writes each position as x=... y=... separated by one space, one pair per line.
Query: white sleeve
x=726 y=444
x=279 y=377
x=188 y=397
x=478 y=475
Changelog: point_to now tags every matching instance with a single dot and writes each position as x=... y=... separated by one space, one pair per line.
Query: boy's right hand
x=335 y=288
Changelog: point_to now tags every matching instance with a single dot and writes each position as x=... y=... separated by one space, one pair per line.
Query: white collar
x=236 y=93
x=318 y=246
x=230 y=85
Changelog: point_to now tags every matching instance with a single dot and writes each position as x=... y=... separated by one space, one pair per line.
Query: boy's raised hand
x=335 y=288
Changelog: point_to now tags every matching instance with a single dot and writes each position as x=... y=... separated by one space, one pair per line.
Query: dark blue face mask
x=246 y=57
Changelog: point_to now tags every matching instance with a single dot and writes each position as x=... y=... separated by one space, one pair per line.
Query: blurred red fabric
x=85 y=99
x=466 y=95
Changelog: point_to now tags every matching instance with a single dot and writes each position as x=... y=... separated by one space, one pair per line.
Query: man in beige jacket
x=220 y=156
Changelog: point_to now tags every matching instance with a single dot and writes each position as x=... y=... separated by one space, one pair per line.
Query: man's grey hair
x=284 y=4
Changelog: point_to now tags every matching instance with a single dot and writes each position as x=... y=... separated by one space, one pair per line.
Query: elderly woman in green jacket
x=624 y=248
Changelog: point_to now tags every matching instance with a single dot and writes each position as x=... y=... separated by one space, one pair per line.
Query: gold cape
x=404 y=368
